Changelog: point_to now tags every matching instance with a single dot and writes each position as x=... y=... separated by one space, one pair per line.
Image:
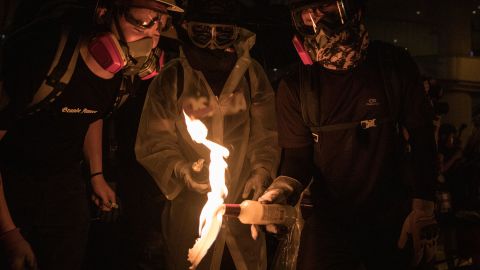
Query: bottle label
x=273 y=215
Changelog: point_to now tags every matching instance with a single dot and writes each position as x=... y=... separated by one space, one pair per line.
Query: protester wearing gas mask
x=216 y=81
x=61 y=75
x=339 y=115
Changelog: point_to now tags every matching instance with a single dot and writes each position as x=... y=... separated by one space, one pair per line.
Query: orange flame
x=212 y=213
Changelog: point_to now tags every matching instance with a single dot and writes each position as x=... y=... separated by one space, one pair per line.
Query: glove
x=283 y=190
x=195 y=180
x=421 y=225
x=258 y=182
x=18 y=251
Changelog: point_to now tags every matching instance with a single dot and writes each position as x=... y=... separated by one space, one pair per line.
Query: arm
x=263 y=152
x=157 y=146
x=18 y=252
x=418 y=120
x=104 y=196
x=6 y=222
x=295 y=138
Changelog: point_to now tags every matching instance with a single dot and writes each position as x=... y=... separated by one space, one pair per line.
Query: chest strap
x=363 y=124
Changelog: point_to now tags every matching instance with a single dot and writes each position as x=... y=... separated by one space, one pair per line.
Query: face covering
x=138 y=53
x=342 y=50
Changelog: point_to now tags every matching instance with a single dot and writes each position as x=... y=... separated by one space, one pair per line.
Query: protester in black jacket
x=338 y=122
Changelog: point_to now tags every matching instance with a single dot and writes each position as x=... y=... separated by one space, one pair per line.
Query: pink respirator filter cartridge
x=301 y=51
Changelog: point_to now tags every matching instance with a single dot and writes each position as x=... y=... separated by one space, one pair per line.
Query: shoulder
x=293 y=77
x=400 y=56
x=167 y=77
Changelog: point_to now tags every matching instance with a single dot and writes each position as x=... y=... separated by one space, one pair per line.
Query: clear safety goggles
x=213 y=36
x=329 y=15
x=145 y=18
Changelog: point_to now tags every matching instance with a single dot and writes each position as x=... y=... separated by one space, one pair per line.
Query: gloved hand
x=194 y=180
x=18 y=251
x=283 y=190
x=258 y=182
x=421 y=225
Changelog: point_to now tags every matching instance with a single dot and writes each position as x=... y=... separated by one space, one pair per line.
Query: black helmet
x=212 y=11
x=346 y=11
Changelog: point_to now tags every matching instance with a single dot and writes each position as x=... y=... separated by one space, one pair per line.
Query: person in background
x=217 y=82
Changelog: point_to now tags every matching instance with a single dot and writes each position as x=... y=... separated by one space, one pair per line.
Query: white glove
x=195 y=181
x=421 y=225
x=283 y=190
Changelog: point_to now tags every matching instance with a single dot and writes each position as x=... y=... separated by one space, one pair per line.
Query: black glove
x=17 y=251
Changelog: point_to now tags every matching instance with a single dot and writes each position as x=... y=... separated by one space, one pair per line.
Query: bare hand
x=19 y=254
x=103 y=196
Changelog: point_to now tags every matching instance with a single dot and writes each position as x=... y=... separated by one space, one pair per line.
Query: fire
x=212 y=213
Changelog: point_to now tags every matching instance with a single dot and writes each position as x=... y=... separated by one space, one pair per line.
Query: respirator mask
x=333 y=33
x=137 y=57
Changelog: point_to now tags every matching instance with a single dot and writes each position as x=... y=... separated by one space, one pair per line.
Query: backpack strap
x=59 y=75
x=309 y=97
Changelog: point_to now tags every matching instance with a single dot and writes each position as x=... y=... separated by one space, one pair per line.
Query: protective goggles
x=145 y=18
x=328 y=15
x=213 y=36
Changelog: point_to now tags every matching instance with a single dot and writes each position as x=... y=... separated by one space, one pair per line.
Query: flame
x=212 y=213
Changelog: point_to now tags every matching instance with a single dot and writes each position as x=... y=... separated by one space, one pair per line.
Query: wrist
x=96 y=174
x=423 y=205
x=10 y=237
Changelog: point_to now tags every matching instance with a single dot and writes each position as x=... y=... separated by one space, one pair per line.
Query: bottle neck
x=232 y=210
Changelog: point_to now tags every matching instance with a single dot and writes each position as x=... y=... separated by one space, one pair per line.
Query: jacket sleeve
x=157 y=147
x=417 y=117
x=263 y=149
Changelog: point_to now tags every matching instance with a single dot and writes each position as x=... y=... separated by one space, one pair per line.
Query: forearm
x=263 y=150
x=423 y=162
x=6 y=222
x=93 y=146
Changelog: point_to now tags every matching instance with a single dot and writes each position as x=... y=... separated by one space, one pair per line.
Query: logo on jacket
x=372 y=102
x=78 y=110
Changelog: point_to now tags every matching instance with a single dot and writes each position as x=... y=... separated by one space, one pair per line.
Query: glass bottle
x=254 y=212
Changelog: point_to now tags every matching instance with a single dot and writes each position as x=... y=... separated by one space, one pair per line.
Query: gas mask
x=333 y=35
x=212 y=36
x=136 y=57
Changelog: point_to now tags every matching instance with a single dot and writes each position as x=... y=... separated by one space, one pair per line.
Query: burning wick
x=212 y=213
